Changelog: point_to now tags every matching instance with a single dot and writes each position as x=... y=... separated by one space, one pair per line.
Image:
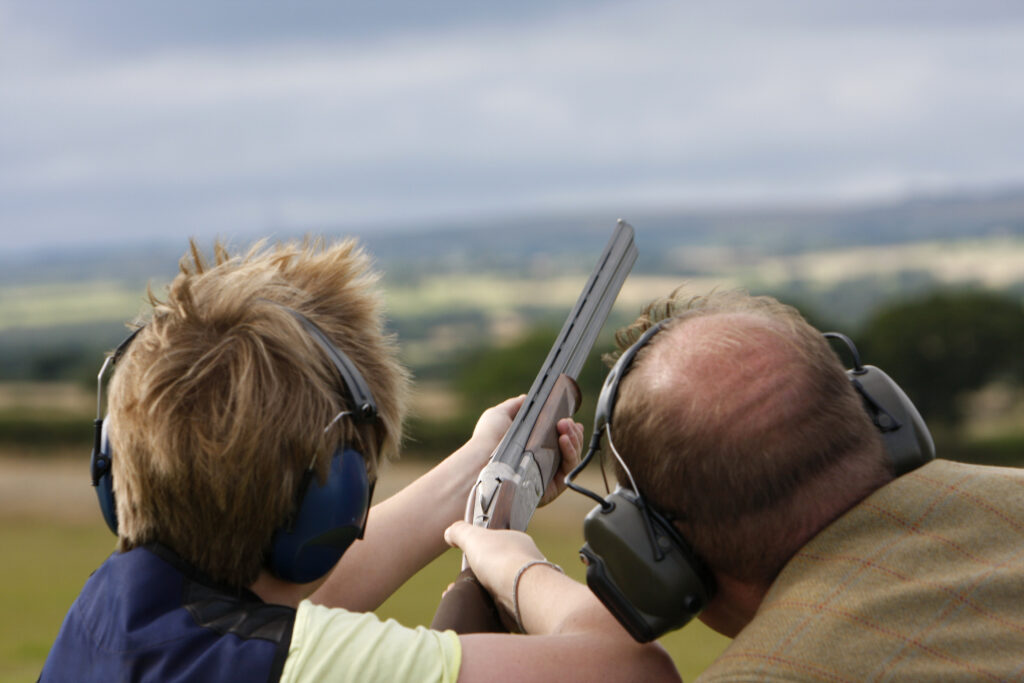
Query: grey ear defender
x=640 y=566
x=906 y=437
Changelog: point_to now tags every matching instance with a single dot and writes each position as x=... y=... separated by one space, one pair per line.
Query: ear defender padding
x=328 y=519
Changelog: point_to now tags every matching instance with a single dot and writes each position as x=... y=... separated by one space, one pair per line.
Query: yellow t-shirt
x=331 y=644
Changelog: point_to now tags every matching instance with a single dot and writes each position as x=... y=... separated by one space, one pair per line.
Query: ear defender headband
x=640 y=566
x=327 y=517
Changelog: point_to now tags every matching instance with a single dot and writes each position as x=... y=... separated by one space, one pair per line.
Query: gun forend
x=505 y=496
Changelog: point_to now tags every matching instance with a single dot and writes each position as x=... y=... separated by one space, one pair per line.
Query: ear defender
x=100 y=464
x=102 y=477
x=327 y=518
x=640 y=566
x=906 y=438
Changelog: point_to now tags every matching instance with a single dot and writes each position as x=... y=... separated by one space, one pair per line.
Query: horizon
x=497 y=221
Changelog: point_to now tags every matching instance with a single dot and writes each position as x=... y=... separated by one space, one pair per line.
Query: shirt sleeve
x=332 y=644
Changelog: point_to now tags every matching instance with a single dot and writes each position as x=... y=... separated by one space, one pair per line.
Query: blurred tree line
x=942 y=347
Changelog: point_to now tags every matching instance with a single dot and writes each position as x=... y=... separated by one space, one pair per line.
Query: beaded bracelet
x=515 y=589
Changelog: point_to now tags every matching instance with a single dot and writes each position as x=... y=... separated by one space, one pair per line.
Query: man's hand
x=495 y=421
x=570 y=443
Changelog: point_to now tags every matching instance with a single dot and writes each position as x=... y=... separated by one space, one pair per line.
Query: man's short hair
x=222 y=400
x=739 y=421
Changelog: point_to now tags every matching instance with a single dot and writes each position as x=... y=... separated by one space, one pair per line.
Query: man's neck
x=734 y=605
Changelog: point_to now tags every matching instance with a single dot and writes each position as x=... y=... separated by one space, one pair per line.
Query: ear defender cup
x=329 y=518
x=99 y=462
x=645 y=574
x=102 y=477
x=907 y=440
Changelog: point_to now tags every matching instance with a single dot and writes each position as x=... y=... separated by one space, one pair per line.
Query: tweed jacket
x=922 y=581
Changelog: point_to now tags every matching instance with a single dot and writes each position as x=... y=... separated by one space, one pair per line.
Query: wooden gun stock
x=467 y=607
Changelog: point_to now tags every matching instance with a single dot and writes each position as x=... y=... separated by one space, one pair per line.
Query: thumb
x=455 y=535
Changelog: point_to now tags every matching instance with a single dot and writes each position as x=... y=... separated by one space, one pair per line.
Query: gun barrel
x=510 y=487
x=577 y=337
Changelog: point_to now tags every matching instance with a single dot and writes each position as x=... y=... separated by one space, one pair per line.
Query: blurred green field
x=49 y=557
x=44 y=567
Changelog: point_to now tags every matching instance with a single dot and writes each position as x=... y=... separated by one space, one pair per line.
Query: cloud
x=582 y=106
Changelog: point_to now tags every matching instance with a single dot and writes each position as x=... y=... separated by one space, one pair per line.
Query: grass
x=65 y=303
x=45 y=565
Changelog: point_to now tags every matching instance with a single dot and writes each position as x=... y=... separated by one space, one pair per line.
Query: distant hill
x=570 y=242
x=573 y=239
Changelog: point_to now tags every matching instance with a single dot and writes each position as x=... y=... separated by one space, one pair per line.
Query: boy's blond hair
x=221 y=402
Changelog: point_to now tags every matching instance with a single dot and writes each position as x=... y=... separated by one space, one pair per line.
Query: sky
x=137 y=120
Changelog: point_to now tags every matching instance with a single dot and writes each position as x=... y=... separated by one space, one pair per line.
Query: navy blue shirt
x=145 y=615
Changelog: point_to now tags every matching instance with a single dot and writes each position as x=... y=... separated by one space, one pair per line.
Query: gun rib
x=577 y=337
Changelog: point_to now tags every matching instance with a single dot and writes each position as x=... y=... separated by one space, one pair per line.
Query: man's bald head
x=739 y=421
x=740 y=371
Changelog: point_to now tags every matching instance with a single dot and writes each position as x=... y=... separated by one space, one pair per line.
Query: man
x=738 y=423
x=253 y=406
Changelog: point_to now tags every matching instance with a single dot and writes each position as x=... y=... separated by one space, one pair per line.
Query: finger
x=570 y=450
x=569 y=461
x=572 y=429
x=455 y=534
x=572 y=433
x=511 y=406
x=577 y=435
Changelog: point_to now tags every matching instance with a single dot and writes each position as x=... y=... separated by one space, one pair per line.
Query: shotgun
x=511 y=485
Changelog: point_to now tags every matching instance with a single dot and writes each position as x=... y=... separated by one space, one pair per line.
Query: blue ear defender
x=102 y=477
x=99 y=463
x=327 y=518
